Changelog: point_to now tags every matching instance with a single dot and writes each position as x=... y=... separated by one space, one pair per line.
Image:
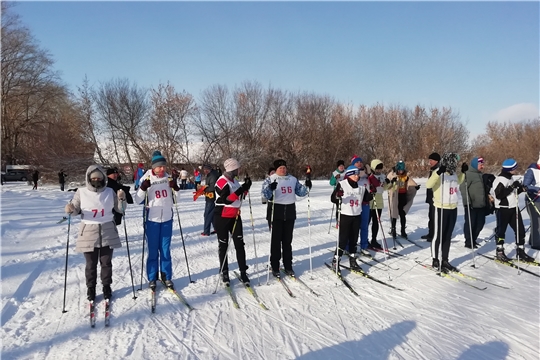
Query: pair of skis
x=249 y=289
x=513 y=265
x=360 y=273
x=93 y=313
x=153 y=299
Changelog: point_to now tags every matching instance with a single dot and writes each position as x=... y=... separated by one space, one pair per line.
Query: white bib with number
x=97 y=208
x=286 y=187
x=450 y=189
x=351 y=202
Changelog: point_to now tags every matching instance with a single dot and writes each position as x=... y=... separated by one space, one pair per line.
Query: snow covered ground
x=433 y=318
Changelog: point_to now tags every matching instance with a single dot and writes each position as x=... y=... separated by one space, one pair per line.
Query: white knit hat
x=231 y=164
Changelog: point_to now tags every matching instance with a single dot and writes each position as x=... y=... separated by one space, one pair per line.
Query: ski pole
x=226 y=251
x=390 y=211
x=337 y=257
x=127 y=247
x=439 y=248
x=145 y=216
x=309 y=231
x=271 y=231
x=254 y=243
x=385 y=249
x=472 y=241
x=65 y=270
x=523 y=208
x=331 y=217
x=182 y=235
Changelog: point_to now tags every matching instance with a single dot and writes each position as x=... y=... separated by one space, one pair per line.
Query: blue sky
x=480 y=58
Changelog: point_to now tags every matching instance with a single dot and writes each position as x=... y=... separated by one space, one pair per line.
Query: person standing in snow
x=308 y=172
x=159 y=193
x=367 y=180
x=210 y=199
x=183 y=179
x=98 y=236
x=506 y=202
x=198 y=178
x=112 y=176
x=337 y=175
x=62 y=179
x=377 y=204
x=35 y=178
x=433 y=159
x=474 y=201
x=285 y=187
x=531 y=181
x=400 y=197
x=445 y=185
x=227 y=219
x=348 y=195
x=138 y=175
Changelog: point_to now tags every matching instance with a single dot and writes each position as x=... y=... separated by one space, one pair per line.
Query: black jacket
x=429 y=192
x=113 y=184
x=211 y=179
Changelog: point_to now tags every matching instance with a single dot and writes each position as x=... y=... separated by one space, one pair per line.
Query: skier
x=62 y=179
x=157 y=192
x=474 y=201
x=229 y=195
x=285 y=187
x=433 y=159
x=377 y=204
x=112 y=176
x=35 y=178
x=506 y=201
x=444 y=182
x=210 y=199
x=348 y=195
x=337 y=176
x=400 y=197
x=368 y=181
x=532 y=181
x=97 y=234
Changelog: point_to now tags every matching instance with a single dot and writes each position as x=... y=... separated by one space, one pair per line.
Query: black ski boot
x=447 y=267
x=244 y=278
x=435 y=264
x=169 y=284
x=522 y=255
x=275 y=273
x=353 y=264
x=289 y=272
x=91 y=293
x=403 y=233
x=375 y=245
x=225 y=277
x=163 y=276
x=107 y=292
x=501 y=256
x=393 y=232
x=468 y=245
x=152 y=285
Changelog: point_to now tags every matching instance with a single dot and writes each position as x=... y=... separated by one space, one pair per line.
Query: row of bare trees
x=117 y=122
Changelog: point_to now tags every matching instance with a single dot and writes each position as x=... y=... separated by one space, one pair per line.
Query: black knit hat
x=435 y=156
x=340 y=162
x=279 y=162
x=112 y=171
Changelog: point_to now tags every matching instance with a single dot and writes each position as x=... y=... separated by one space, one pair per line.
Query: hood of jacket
x=90 y=170
x=375 y=163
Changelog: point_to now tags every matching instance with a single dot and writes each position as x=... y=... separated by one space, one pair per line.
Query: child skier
x=506 y=202
x=377 y=204
x=349 y=196
x=400 y=197
x=98 y=235
x=158 y=192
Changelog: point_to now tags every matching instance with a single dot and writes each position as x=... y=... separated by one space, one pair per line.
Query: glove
x=516 y=184
x=387 y=181
x=247 y=183
x=308 y=184
x=340 y=193
x=70 y=208
x=337 y=176
x=441 y=170
x=173 y=184
x=417 y=187
x=209 y=195
x=464 y=167
x=394 y=180
x=121 y=195
x=145 y=185
x=273 y=186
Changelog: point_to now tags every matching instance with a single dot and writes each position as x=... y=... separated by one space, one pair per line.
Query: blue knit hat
x=477 y=160
x=158 y=159
x=351 y=170
x=509 y=165
x=400 y=165
x=356 y=159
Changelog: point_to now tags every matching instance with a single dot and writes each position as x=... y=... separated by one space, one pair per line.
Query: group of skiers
x=358 y=191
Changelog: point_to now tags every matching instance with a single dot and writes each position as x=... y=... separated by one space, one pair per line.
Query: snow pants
x=374 y=215
x=478 y=220
x=505 y=217
x=534 y=237
x=104 y=256
x=364 y=226
x=223 y=227
x=349 y=228
x=282 y=235
x=158 y=237
x=444 y=227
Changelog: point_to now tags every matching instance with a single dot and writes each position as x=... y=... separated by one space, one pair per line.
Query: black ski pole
x=182 y=236
x=127 y=247
x=65 y=270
